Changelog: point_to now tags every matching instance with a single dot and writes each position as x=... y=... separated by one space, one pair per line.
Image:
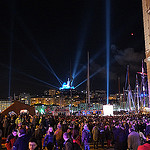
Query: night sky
x=40 y=38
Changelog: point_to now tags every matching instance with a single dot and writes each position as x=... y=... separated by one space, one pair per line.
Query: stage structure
x=146 y=22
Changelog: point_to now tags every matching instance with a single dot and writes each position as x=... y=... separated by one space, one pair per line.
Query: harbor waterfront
x=75 y=75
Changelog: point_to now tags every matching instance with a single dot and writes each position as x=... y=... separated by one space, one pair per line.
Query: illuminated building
x=50 y=92
x=24 y=98
x=45 y=100
x=146 y=21
x=98 y=96
x=4 y=104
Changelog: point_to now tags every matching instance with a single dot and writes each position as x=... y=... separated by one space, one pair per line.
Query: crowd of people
x=25 y=132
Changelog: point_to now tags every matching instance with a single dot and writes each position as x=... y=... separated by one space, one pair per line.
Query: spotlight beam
x=107 y=44
x=36 y=58
x=38 y=48
x=91 y=76
x=39 y=84
x=83 y=68
x=91 y=60
x=19 y=42
x=99 y=70
x=30 y=76
x=11 y=48
x=82 y=37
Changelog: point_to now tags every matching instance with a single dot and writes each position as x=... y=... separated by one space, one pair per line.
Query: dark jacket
x=69 y=145
x=21 y=143
x=49 y=138
x=86 y=136
x=120 y=138
x=10 y=141
x=147 y=131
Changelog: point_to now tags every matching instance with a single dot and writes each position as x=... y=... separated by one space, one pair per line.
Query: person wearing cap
x=33 y=144
x=22 y=141
x=145 y=146
x=11 y=139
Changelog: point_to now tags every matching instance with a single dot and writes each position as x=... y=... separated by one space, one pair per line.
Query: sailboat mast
x=129 y=93
x=88 y=80
x=137 y=90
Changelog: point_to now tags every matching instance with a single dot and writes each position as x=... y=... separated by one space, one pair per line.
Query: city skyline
x=41 y=42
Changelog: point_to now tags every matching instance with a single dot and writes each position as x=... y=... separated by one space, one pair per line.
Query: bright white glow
x=23 y=111
x=148 y=58
x=67 y=86
x=146 y=109
x=108 y=110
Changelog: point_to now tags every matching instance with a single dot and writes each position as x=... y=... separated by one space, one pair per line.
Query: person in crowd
x=133 y=139
x=120 y=137
x=86 y=137
x=19 y=126
x=1 y=133
x=11 y=139
x=145 y=146
x=28 y=130
x=107 y=132
x=64 y=126
x=33 y=144
x=75 y=136
x=49 y=139
x=141 y=126
x=5 y=125
x=39 y=135
x=11 y=127
x=81 y=125
x=59 y=136
x=18 y=120
x=96 y=133
x=22 y=141
x=68 y=145
x=102 y=135
x=142 y=137
x=69 y=130
x=147 y=131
